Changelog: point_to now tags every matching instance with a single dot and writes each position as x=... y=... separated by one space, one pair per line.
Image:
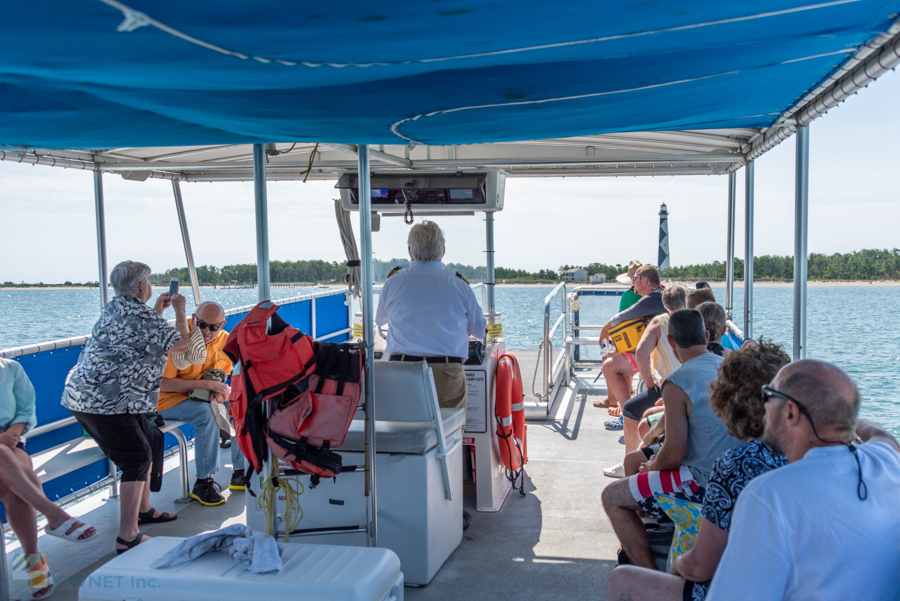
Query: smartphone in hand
x=173 y=287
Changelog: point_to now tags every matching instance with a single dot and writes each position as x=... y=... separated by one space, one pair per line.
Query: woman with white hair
x=116 y=381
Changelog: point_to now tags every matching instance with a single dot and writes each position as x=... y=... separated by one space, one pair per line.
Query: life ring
x=509 y=412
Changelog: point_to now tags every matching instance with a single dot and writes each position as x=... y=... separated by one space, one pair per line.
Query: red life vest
x=509 y=411
x=304 y=429
x=270 y=358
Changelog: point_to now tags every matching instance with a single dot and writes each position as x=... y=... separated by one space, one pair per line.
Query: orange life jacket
x=270 y=358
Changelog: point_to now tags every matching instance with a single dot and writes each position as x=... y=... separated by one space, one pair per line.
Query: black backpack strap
x=326 y=368
x=344 y=370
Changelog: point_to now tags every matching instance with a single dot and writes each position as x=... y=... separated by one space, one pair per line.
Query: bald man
x=827 y=525
x=174 y=404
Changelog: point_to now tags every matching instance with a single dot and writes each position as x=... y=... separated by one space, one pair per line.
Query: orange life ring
x=509 y=411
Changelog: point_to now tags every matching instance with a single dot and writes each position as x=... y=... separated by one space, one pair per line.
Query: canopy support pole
x=801 y=227
x=365 y=245
x=729 y=264
x=748 y=249
x=489 y=276
x=262 y=222
x=101 y=238
x=188 y=252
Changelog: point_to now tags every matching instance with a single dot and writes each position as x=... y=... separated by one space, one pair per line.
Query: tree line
x=859 y=265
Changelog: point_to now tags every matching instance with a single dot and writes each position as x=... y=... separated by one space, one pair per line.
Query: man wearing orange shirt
x=174 y=404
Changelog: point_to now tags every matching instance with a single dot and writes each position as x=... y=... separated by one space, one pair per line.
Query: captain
x=430 y=312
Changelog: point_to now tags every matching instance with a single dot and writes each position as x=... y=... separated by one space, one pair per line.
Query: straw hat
x=625 y=278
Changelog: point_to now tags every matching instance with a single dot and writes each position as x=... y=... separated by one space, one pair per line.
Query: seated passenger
x=826 y=526
x=714 y=318
x=174 y=404
x=737 y=400
x=20 y=488
x=699 y=296
x=630 y=296
x=653 y=344
x=619 y=368
x=695 y=438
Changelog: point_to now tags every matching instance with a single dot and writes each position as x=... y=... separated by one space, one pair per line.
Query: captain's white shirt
x=801 y=533
x=429 y=312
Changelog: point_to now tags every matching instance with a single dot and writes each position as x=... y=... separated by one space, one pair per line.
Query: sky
x=47 y=231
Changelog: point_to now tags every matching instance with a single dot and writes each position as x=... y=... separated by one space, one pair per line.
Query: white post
x=489 y=268
x=188 y=252
x=262 y=222
x=729 y=264
x=748 y=250
x=365 y=247
x=101 y=238
x=801 y=223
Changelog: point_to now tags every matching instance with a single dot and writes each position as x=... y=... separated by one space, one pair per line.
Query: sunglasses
x=638 y=277
x=213 y=327
x=862 y=491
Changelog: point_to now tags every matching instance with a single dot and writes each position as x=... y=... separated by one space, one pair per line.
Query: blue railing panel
x=332 y=315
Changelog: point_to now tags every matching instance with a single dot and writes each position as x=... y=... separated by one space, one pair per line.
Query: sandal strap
x=63 y=528
x=130 y=544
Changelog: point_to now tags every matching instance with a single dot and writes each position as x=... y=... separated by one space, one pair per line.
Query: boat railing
x=573 y=343
x=554 y=374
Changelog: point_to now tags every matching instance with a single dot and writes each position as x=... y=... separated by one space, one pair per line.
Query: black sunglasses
x=862 y=491
x=213 y=327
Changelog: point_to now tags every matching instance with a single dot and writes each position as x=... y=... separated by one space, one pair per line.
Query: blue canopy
x=102 y=74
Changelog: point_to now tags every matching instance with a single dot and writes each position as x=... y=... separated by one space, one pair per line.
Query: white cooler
x=419 y=478
x=315 y=572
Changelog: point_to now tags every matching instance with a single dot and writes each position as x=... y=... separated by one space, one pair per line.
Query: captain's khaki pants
x=450 y=382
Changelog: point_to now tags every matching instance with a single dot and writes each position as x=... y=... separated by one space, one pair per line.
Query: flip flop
x=63 y=531
x=147 y=517
x=602 y=403
x=615 y=411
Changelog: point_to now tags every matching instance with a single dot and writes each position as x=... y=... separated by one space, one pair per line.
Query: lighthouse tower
x=663 y=262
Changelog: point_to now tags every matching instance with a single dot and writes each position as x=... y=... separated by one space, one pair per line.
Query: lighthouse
x=663 y=262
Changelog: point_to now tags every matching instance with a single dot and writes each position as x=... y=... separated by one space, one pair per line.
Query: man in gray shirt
x=695 y=438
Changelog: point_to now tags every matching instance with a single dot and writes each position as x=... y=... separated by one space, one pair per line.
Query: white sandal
x=63 y=531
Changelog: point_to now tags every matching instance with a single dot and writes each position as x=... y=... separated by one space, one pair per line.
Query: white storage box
x=415 y=519
x=315 y=572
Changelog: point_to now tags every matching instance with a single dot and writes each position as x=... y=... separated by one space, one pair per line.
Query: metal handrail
x=549 y=368
x=37 y=431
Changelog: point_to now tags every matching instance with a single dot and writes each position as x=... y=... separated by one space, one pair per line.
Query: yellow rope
x=293 y=512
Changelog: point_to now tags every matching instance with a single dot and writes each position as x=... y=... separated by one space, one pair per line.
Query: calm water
x=854 y=327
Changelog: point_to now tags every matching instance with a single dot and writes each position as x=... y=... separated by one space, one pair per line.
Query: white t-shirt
x=801 y=532
x=429 y=311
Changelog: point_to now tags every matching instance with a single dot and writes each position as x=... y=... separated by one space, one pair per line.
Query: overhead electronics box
x=428 y=193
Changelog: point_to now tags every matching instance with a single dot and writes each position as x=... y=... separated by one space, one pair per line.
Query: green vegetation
x=859 y=265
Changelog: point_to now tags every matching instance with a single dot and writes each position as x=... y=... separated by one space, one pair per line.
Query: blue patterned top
x=731 y=473
x=121 y=365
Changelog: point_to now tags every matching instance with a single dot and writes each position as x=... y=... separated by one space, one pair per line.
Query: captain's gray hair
x=426 y=242
x=127 y=275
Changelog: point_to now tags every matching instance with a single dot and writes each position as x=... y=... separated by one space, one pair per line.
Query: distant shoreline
x=737 y=283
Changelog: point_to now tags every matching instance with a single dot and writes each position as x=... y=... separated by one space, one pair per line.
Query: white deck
x=554 y=543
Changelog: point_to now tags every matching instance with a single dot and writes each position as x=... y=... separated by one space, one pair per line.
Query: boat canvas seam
x=135 y=19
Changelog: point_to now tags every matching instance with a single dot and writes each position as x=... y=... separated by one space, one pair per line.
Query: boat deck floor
x=554 y=543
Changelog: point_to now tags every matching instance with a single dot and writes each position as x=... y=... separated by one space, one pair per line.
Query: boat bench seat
x=411 y=438
x=78 y=453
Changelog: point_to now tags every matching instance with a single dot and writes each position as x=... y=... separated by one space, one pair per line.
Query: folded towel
x=257 y=552
x=196 y=353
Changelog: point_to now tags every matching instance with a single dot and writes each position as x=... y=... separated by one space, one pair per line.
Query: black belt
x=407 y=358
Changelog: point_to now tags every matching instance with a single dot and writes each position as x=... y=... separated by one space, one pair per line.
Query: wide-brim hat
x=625 y=278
